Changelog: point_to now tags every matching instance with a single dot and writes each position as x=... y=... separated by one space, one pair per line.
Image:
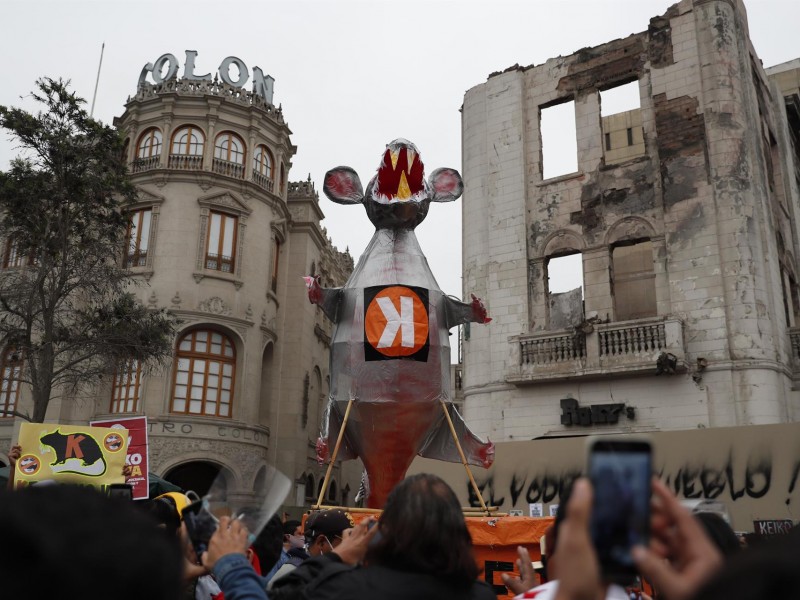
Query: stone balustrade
x=596 y=350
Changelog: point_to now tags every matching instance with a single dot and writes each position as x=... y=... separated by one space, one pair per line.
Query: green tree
x=65 y=304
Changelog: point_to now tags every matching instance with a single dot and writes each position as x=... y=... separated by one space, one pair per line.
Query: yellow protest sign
x=70 y=454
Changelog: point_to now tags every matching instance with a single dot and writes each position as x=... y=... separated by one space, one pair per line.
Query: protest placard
x=137 y=456
x=70 y=453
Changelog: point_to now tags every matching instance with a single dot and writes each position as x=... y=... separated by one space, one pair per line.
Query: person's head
x=74 y=542
x=324 y=530
x=166 y=509
x=719 y=532
x=293 y=534
x=422 y=530
x=768 y=570
x=268 y=542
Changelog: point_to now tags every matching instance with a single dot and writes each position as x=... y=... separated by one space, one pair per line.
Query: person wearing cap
x=324 y=530
x=323 y=533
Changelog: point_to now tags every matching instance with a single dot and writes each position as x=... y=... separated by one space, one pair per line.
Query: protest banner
x=70 y=453
x=137 y=456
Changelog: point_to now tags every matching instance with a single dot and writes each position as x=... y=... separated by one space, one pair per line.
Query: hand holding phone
x=620 y=471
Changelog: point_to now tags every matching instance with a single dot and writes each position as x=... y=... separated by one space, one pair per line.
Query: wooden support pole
x=463 y=458
x=333 y=456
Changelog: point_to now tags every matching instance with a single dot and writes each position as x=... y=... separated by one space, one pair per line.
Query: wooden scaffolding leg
x=324 y=487
x=464 y=458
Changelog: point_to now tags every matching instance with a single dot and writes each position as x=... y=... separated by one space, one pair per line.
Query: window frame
x=268 y=165
x=230 y=137
x=7 y=403
x=133 y=257
x=193 y=355
x=190 y=129
x=152 y=134
x=224 y=216
x=116 y=384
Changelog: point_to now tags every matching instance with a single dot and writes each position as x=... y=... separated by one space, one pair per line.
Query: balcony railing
x=217 y=262
x=137 y=258
x=227 y=168
x=263 y=181
x=607 y=349
x=553 y=349
x=631 y=339
x=794 y=339
x=145 y=164
x=186 y=162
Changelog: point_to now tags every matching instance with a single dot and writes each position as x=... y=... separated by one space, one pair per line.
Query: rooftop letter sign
x=166 y=67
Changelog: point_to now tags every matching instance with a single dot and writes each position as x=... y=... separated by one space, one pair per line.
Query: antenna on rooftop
x=97 y=82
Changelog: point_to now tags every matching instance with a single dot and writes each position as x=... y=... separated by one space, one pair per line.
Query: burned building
x=679 y=214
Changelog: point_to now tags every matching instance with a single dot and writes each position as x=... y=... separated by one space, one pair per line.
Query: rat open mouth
x=401 y=176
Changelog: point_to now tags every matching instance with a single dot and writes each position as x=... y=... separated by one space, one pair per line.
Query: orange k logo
x=396 y=323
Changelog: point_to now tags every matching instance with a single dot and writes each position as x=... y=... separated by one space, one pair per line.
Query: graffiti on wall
x=754 y=471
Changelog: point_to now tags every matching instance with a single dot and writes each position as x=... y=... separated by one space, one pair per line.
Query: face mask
x=296 y=541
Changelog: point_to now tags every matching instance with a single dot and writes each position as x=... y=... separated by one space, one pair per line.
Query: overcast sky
x=351 y=76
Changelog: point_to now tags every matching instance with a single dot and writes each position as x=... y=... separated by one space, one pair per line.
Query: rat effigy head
x=398 y=195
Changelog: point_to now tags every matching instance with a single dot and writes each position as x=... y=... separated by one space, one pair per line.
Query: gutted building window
x=126 y=388
x=559 y=139
x=621 y=116
x=633 y=281
x=204 y=374
x=565 y=290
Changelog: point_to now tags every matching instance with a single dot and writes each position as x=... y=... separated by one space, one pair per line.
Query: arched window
x=149 y=144
x=126 y=389
x=188 y=141
x=310 y=487
x=229 y=147
x=204 y=375
x=263 y=163
x=10 y=368
x=633 y=280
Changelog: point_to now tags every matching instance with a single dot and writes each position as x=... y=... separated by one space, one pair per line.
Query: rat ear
x=343 y=186
x=446 y=185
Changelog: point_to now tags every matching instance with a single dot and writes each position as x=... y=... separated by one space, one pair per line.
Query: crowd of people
x=73 y=542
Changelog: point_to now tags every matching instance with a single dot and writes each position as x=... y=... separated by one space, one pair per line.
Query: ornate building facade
x=680 y=215
x=221 y=238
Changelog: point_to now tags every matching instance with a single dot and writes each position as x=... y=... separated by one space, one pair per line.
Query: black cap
x=330 y=523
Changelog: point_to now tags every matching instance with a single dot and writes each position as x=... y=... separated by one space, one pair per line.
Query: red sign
x=137 y=456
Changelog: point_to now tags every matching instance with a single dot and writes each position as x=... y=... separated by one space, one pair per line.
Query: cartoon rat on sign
x=390 y=351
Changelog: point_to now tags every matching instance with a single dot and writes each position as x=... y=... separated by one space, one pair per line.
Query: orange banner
x=496 y=539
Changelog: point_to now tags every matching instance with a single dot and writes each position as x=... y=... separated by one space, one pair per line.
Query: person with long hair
x=420 y=548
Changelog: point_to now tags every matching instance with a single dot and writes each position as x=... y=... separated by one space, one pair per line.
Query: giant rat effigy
x=390 y=350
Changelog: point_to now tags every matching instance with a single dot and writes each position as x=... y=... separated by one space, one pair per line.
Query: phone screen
x=620 y=472
x=120 y=490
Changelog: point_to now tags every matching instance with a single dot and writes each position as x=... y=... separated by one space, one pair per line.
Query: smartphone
x=200 y=525
x=120 y=490
x=620 y=470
